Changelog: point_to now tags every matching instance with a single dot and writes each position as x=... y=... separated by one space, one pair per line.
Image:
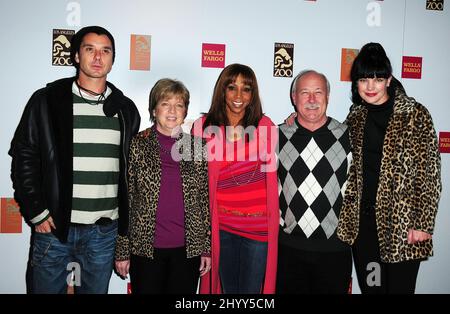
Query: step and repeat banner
x=193 y=40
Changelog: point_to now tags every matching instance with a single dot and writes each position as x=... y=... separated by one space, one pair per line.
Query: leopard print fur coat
x=144 y=179
x=409 y=185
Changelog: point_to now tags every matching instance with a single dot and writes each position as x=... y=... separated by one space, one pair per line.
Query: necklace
x=234 y=133
x=161 y=146
x=249 y=179
x=100 y=97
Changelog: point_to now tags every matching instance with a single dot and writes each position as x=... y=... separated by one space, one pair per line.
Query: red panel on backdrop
x=10 y=218
x=213 y=56
x=444 y=142
x=412 y=67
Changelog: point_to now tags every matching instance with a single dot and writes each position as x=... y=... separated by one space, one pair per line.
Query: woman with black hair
x=394 y=182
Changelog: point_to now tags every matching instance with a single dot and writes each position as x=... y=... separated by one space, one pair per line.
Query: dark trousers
x=169 y=272
x=306 y=272
x=374 y=276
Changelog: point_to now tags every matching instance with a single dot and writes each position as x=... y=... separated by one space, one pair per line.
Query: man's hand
x=46 y=226
x=415 y=236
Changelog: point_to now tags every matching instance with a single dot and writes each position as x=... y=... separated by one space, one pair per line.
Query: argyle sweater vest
x=312 y=175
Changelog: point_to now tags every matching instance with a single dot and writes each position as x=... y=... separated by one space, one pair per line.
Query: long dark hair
x=372 y=62
x=217 y=115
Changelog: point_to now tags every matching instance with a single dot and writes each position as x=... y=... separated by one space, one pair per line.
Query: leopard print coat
x=144 y=178
x=409 y=185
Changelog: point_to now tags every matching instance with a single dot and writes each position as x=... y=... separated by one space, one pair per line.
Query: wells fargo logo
x=412 y=67
x=61 y=47
x=436 y=5
x=347 y=57
x=283 y=64
x=10 y=218
x=140 y=52
x=444 y=142
x=213 y=56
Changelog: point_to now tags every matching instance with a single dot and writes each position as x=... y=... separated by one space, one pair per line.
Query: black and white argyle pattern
x=312 y=175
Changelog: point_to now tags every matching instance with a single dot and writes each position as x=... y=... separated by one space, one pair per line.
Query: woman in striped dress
x=242 y=186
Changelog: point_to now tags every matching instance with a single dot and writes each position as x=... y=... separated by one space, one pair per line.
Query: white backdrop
x=249 y=28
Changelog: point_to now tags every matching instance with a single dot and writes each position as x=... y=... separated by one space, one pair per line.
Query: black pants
x=374 y=276
x=306 y=272
x=169 y=272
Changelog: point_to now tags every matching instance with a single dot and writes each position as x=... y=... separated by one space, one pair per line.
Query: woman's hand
x=205 y=265
x=415 y=236
x=123 y=267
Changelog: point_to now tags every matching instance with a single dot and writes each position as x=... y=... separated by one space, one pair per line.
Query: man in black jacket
x=69 y=165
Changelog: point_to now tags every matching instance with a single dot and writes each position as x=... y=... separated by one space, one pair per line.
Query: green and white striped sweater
x=96 y=151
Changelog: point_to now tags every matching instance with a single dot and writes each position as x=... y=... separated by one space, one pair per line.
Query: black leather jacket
x=42 y=153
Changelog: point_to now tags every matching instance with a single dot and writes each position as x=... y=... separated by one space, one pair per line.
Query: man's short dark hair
x=77 y=39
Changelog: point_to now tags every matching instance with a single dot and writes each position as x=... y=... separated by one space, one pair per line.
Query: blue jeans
x=242 y=264
x=89 y=252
